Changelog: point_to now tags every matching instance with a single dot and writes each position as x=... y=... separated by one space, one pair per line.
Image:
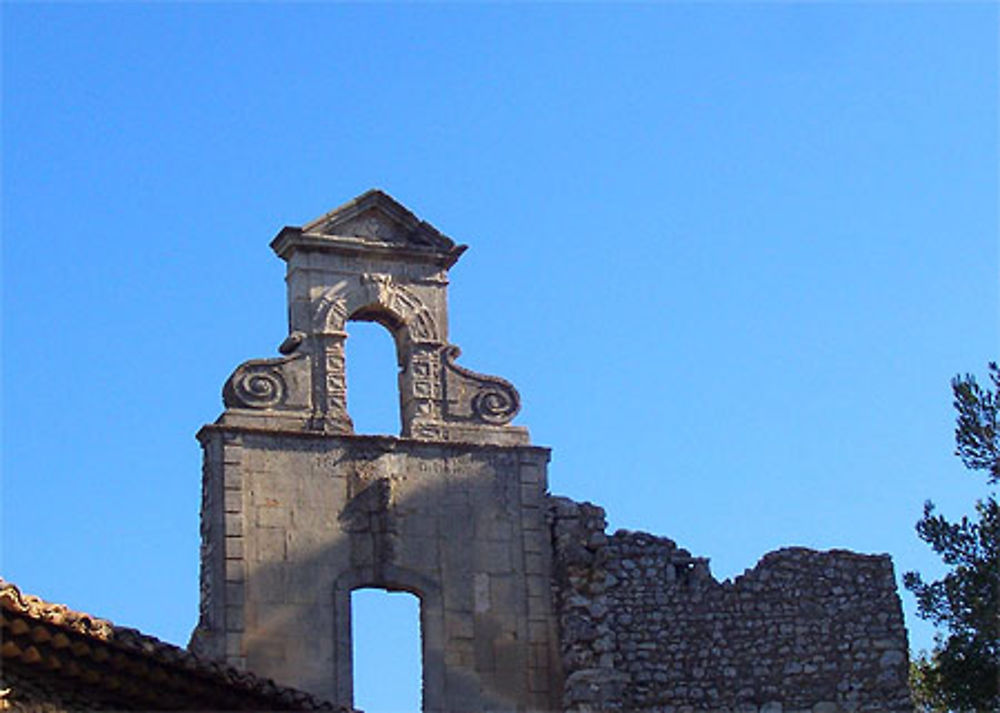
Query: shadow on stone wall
x=293 y=524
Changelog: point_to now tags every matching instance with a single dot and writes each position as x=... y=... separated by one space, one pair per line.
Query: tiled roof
x=77 y=661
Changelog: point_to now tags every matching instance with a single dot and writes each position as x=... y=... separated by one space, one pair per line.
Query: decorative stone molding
x=276 y=388
x=375 y=218
x=476 y=397
x=371 y=260
x=256 y=384
x=375 y=297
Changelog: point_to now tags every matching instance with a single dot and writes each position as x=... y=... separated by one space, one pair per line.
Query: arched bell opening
x=372 y=374
x=417 y=366
x=393 y=323
x=374 y=398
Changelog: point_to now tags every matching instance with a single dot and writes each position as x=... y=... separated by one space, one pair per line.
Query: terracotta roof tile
x=75 y=661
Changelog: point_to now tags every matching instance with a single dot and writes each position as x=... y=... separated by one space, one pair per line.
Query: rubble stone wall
x=645 y=627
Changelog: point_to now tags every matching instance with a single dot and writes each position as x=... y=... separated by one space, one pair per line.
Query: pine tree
x=962 y=673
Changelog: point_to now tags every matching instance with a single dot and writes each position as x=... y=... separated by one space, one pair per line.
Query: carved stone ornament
x=371 y=260
x=375 y=216
x=470 y=396
x=375 y=291
x=281 y=384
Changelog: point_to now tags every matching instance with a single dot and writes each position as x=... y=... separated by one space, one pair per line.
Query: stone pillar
x=329 y=380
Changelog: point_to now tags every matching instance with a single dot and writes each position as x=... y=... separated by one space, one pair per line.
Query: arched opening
x=372 y=378
x=386 y=651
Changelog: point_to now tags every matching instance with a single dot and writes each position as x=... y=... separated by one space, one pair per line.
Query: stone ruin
x=526 y=603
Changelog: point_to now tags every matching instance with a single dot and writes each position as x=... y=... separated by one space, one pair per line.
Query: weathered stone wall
x=296 y=521
x=588 y=644
x=645 y=627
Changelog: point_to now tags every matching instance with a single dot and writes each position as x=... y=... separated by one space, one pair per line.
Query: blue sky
x=730 y=254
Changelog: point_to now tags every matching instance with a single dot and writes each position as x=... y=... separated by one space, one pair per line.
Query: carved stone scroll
x=270 y=384
x=476 y=397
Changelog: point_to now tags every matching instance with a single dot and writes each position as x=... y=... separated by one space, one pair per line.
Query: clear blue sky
x=730 y=254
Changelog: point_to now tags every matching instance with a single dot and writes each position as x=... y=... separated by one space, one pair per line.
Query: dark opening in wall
x=387 y=651
x=372 y=379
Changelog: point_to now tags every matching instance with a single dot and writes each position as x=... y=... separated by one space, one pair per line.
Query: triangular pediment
x=377 y=217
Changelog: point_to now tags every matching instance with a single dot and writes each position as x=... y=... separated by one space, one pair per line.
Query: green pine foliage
x=962 y=673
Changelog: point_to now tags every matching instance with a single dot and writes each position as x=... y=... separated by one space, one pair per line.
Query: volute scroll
x=274 y=384
x=470 y=396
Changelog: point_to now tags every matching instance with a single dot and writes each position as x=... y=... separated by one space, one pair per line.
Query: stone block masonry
x=645 y=626
x=318 y=516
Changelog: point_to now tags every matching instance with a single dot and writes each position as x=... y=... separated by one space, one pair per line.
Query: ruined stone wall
x=588 y=644
x=645 y=627
x=524 y=599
